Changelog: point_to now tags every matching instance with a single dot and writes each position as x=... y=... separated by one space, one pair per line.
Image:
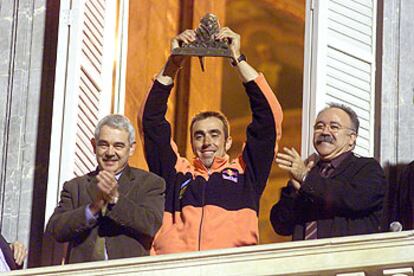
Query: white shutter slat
x=95 y=15
x=356 y=26
x=95 y=21
x=353 y=10
x=98 y=6
x=93 y=36
x=346 y=79
x=335 y=95
x=349 y=60
x=88 y=118
x=366 y=3
x=352 y=35
x=88 y=35
x=92 y=56
x=91 y=75
x=89 y=97
x=350 y=25
x=83 y=163
x=83 y=142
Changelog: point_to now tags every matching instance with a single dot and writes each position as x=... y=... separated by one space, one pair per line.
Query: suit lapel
x=123 y=182
x=344 y=165
x=92 y=188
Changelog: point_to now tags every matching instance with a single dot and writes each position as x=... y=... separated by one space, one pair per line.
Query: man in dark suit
x=11 y=255
x=115 y=211
x=335 y=193
x=401 y=208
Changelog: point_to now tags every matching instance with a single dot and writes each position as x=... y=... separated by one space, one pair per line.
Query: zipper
x=203 y=193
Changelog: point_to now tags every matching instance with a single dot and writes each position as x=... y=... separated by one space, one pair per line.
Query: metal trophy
x=205 y=45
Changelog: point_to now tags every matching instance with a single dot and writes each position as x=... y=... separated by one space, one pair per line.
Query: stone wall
x=22 y=29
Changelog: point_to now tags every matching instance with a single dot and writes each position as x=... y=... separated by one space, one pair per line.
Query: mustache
x=325 y=138
x=110 y=159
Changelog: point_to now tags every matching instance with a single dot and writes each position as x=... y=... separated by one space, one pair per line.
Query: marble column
x=396 y=71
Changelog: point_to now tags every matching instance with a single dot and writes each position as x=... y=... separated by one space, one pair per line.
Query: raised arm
x=161 y=152
x=246 y=71
x=265 y=130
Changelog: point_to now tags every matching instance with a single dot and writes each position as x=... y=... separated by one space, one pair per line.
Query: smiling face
x=333 y=133
x=208 y=140
x=113 y=149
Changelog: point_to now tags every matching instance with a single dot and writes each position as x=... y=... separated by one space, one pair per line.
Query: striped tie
x=311 y=230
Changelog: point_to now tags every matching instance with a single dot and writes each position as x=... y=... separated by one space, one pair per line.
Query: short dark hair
x=207 y=114
x=351 y=113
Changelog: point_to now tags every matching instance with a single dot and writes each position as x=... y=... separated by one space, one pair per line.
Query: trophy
x=205 y=45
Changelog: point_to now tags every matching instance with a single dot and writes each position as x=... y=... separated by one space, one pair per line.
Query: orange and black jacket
x=217 y=207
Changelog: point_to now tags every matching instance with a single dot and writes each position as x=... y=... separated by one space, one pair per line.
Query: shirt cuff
x=90 y=218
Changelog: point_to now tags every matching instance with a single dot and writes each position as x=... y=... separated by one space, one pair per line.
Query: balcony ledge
x=375 y=254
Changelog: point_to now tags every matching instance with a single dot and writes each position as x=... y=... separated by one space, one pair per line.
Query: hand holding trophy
x=207 y=40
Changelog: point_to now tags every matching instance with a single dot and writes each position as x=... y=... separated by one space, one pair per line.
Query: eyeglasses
x=333 y=127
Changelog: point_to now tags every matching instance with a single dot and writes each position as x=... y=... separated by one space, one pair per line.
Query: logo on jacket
x=184 y=187
x=230 y=174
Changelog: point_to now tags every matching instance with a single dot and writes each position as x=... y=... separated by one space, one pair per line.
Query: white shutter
x=340 y=64
x=83 y=88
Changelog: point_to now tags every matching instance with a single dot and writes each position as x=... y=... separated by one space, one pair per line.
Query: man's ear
x=93 y=143
x=352 y=140
x=229 y=142
x=132 y=149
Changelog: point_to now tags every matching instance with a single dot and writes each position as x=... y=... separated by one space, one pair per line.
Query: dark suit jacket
x=402 y=199
x=128 y=227
x=8 y=254
x=350 y=202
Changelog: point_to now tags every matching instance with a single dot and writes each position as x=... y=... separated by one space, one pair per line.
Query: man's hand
x=233 y=38
x=247 y=73
x=19 y=252
x=185 y=37
x=292 y=162
x=107 y=191
x=107 y=185
x=175 y=62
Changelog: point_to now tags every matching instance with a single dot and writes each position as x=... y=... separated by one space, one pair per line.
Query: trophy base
x=202 y=52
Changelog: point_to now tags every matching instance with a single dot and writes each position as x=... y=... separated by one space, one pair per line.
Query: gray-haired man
x=114 y=211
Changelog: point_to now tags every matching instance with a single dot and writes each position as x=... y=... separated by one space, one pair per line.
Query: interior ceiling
x=292 y=8
x=279 y=23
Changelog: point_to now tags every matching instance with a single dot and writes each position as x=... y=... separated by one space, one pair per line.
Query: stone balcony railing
x=376 y=254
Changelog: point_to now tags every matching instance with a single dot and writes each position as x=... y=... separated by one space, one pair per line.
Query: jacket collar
x=218 y=164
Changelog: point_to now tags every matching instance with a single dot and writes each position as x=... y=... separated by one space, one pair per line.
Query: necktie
x=99 y=249
x=311 y=229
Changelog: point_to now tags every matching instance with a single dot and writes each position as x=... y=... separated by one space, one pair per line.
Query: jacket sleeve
x=263 y=133
x=159 y=149
x=357 y=193
x=141 y=210
x=287 y=212
x=67 y=223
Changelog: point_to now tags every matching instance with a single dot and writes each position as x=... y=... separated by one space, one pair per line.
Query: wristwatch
x=239 y=59
x=114 y=200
